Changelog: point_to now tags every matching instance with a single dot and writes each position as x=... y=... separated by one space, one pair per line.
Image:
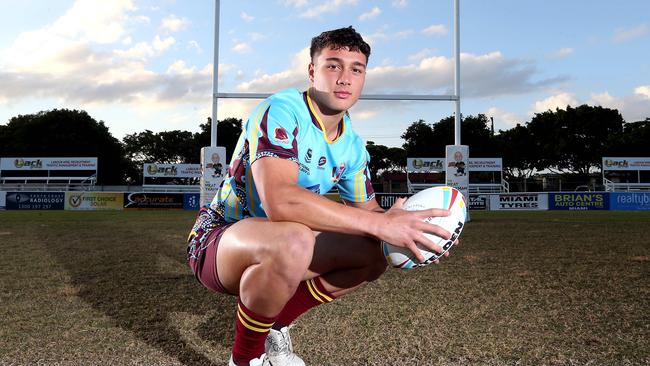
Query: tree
x=228 y=131
x=418 y=138
x=66 y=133
x=633 y=141
x=424 y=140
x=574 y=139
x=516 y=149
x=167 y=147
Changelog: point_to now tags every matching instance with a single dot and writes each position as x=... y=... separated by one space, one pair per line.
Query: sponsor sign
x=172 y=170
x=424 y=165
x=153 y=200
x=35 y=200
x=3 y=200
x=519 y=201
x=456 y=162
x=213 y=171
x=639 y=201
x=485 y=165
x=578 y=201
x=30 y=163
x=93 y=201
x=626 y=163
x=478 y=202
x=191 y=201
x=386 y=200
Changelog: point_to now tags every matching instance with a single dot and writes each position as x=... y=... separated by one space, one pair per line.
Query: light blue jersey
x=285 y=126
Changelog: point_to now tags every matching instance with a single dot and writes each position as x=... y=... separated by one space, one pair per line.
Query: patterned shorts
x=202 y=245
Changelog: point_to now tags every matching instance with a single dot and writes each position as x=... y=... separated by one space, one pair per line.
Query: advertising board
x=519 y=201
x=35 y=200
x=93 y=201
x=191 y=201
x=32 y=163
x=637 y=201
x=578 y=201
x=148 y=200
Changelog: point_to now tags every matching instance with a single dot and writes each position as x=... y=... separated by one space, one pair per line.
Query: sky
x=147 y=65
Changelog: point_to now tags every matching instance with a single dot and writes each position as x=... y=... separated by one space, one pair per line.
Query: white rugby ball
x=435 y=197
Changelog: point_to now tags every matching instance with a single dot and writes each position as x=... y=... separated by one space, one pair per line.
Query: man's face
x=337 y=78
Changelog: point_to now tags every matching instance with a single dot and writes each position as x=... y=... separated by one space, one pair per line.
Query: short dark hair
x=337 y=39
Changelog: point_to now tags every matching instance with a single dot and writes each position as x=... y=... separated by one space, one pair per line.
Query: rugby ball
x=435 y=197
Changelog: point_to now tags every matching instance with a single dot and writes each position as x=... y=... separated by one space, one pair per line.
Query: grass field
x=525 y=288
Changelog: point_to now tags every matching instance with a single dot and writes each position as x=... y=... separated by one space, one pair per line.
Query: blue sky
x=144 y=64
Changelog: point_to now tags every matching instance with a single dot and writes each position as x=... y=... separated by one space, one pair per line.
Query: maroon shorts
x=202 y=246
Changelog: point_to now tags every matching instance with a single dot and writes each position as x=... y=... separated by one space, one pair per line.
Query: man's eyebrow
x=339 y=60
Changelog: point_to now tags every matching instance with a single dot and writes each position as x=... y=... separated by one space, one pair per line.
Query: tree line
x=570 y=140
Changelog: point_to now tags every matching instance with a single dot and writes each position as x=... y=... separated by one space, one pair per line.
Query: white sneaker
x=279 y=349
x=261 y=361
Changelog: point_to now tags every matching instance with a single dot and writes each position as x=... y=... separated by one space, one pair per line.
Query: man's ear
x=310 y=71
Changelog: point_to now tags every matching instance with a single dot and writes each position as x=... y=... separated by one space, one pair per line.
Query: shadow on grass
x=143 y=283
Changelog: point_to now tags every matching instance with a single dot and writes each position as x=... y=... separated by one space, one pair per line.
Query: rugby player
x=269 y=236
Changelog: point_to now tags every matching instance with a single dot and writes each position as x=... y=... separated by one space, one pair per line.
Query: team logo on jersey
x=308 y=156
x=322 y=161
x=280 y=134
x=337 y=172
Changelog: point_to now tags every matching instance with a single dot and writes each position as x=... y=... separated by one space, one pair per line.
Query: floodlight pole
x=215 y=76
x=457 y=71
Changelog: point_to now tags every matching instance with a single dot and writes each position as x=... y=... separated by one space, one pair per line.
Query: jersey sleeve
x=273 y=132
x=355 y=185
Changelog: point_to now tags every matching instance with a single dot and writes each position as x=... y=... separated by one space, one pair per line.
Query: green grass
x=529 y=288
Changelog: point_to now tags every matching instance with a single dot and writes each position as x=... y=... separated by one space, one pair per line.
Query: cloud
x=643 y=91
x=560 y=101
x=373 y=13
x=624 y=35
x=328 y=6
x=382 y=35
x=295 y=3
x=399 y=3
x=296 y=76
x=172 y=23
x=504 y=120
x=144 y=50
x=435 y=29
x=194 y=45
x=633 y=107
x=485 y=75
x=245 y=17
x=421 y=55
x=241 y=47
x=562 y=52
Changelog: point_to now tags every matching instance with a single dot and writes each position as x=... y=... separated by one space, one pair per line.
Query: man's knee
x=291 y=254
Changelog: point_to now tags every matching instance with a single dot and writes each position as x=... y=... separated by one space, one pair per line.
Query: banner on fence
x=478 y=202
x=93 y=201
x=638 y=201
x=191 y=201
x=386 y=200
x=3 y=200
x=153 y=200
x=519 y=201
x=578 y=201
x=626 y=163
x=35 y=200
x=172 y=170
x=29 y=163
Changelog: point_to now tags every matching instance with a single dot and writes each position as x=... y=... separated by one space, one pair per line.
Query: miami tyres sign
x=519 y=201
x=578 y=201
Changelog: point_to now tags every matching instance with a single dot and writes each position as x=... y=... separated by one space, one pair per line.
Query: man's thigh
x=337 y=251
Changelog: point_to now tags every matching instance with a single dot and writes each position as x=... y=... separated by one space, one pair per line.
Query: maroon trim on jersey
x=314 y=120
x=266 y=148
x=370 y=192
